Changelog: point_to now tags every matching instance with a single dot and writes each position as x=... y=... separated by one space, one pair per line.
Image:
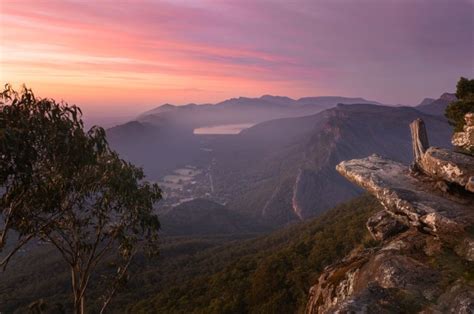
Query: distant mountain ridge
x=244 y=110
x=426 y=102
x=281 y=169
x=293 y=175
x=162 y=139
x=267 y=100
x=436 y=106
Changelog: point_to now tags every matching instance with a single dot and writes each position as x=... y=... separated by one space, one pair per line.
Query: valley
x=185 y=184
x=236 y=157
x=277 y=171
x=222 y=129
x=243 y=203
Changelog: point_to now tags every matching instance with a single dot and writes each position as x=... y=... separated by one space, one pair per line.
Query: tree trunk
x=83 y=304
x=79 y=302
x=419 y=139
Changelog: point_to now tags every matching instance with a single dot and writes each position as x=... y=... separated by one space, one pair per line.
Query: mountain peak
x=167 y=106
x=438 y=106
x=274 y=97
x=426 y=101
x=448 y=97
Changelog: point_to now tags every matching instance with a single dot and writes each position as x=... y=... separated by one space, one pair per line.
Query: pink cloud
x=373 y=49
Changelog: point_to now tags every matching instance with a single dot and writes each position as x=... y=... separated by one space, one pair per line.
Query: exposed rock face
x=425 y=260
x=443 y=164
x=412 y=200
x=398 y=277
x=449 y=166
x=465 y=140
x=458 y=298
x=382 y=226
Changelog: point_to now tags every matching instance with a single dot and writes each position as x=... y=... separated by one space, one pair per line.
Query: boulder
x=450 y=166
x=465 y=140
x=382 y=226
x=458 y=298
x=336 y=283
x=378 y=281
x=470 y=184
x=466 y=248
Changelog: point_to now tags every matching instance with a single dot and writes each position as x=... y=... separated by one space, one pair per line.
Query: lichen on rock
x=465 y=139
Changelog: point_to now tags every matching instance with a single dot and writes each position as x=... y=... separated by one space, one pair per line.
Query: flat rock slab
x=409 y=199
x=448 y=165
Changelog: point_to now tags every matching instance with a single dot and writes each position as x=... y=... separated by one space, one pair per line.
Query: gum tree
x=456 y=110
x=66 y=187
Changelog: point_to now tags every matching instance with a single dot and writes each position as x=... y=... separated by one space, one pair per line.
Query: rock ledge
x=424 y=262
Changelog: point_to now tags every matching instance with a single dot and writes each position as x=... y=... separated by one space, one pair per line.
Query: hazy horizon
x=126 y=58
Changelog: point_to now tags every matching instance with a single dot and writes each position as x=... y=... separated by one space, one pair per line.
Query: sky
x=123 y=57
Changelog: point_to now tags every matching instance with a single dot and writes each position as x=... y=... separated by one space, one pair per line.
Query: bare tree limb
x=6 y=227
x=6 y=260
x=69 y=259
x=419 y=139
x=116 y=284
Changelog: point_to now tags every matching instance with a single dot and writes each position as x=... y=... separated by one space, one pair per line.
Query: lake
x=223 y=129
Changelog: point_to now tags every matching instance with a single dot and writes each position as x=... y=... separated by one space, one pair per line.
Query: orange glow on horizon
x=103 y=66
x=134 y=55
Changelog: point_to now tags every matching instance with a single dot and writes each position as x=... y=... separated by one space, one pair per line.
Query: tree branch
x=70 y=260
x=6 y=227
x=86 y=273
x=6 y=260
x=116 y=283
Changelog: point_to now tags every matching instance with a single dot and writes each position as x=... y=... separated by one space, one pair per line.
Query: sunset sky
x=123 y=57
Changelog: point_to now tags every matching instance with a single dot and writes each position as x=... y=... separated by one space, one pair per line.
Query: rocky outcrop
x=465 y=140
x=442 y=164
x=424 y=260
x=411 y=199
x=397 y=277
x=383 y=225
x=449 y=166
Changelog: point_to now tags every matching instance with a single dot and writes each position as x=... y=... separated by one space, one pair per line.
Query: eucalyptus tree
x=66 y=187
x=456 y=110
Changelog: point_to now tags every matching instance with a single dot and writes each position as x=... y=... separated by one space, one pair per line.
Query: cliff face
x=424 y=261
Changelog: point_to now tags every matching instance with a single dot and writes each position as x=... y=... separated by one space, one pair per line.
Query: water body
x=223 y=129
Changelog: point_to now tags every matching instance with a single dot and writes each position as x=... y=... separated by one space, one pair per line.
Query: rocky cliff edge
x=424 y=259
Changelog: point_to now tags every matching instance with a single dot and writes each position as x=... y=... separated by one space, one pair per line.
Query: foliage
x=66 y=187
x=456 y=111
x=210 y=274
x=271 y=274
x=41 y=141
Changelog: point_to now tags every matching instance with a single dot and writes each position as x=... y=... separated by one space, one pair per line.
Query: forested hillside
x=271 y=274
x=210 y=274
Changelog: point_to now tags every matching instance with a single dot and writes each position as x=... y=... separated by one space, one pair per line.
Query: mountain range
x=223 y=193
x=244 y=109
x=281 y=169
